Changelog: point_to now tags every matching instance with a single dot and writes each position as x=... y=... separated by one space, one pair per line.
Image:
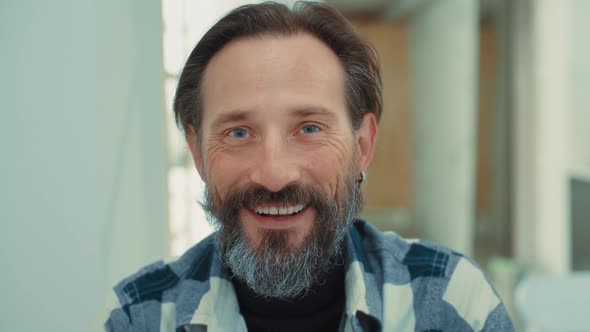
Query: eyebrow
x=235 y=116
x=307 y=111
x=238 y=116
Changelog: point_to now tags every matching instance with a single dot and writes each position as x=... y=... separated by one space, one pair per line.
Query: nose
x=276 y=167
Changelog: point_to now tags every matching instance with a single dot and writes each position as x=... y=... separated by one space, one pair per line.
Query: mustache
x=253 y=195
x=292 y=194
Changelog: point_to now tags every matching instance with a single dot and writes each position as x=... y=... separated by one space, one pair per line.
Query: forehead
x=273 y=73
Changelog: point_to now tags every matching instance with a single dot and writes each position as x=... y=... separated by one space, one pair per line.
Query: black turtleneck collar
x=318 y=309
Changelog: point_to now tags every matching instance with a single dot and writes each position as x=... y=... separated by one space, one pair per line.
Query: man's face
x=276 y=142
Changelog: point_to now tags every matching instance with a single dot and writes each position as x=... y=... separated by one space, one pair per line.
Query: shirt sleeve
x=118 y=321
x=474 y=298
x=498 y=320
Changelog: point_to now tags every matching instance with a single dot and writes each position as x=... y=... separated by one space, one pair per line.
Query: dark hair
x=359 y=59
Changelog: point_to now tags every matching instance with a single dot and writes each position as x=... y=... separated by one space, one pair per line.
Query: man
x=280 y=110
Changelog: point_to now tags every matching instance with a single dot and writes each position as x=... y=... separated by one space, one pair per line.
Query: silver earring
x=363 y=178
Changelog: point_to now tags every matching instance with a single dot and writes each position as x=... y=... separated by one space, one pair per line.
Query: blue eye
x=309 y=129
x=239 y=133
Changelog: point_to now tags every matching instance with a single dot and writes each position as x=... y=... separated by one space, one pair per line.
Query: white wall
x=580 y=76
x=82 y=163
x=552 y=122
x=542 y=47
x=443 y=45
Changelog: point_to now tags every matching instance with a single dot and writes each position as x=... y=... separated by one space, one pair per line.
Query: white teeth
x=279 y=211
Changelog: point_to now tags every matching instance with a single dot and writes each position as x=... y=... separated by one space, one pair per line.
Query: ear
x=365 y=141
x=191 y=140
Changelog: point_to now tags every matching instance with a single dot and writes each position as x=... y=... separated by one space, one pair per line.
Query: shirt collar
x=363 y=294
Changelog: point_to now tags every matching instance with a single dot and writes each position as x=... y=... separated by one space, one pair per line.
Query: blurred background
x=483 y=146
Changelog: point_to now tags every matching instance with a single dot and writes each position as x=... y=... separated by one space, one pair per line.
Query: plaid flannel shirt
x=391 y=284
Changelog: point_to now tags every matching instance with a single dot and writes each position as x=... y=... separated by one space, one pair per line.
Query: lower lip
x=278 y=221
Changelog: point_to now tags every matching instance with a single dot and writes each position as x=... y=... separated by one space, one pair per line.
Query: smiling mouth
x=282 y=211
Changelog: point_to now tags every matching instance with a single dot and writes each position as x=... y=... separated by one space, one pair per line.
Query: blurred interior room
x=483 y=146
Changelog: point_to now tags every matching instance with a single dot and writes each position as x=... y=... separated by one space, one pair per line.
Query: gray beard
x=279 y=272
x=278 y=269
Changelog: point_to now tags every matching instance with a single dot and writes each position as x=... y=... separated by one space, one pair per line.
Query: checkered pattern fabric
x=391 y=284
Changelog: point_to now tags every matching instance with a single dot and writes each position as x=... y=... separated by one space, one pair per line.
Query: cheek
x=222 y=168
x=329 y=164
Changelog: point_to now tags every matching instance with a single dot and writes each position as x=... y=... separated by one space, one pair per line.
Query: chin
x=285 y=240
